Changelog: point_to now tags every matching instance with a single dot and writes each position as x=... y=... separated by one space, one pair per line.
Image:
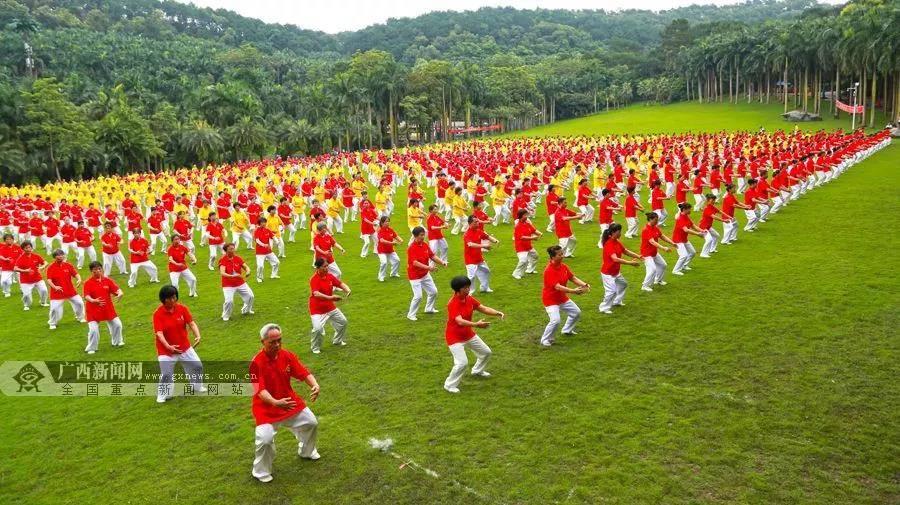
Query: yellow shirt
x=273 y=223
x=299 y=204
x=334 y=208
x=415 y=216
x=460 y=206
x=381 y=200
x=239 y=221
x=203 y=213
x=357 y=187
x=498 y=195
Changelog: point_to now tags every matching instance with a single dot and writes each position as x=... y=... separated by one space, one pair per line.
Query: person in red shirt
x=729 y=203
x=139 y=255
x=322 y=308
x=436 y=226
x=524 y=234
x=134 y=221
x=170 y=324
x=323 y=247
x=84 y=245
x=29 y=265
x=99 y=294
x=185 y=230
x=67 y=235
x=614 y=253
x=110 y=241
x=93 y=217
x=9 y=253
x=60 y=274
x=657 y=202
x=262 y=240
x=711 y=213
x=555 y=296
x=421 y=261
x=156 y=225
x=751 y=200
x=583 y=199
x=552 y=203
x=460 y=334
x=562 y=221
x=387 y=239
x=608 y=207
x=631 y=207
x=233 y=271
x=276 y=404
x=367 y=224
x=215 y=236
x=51 y=230
x=684 y=227
x=651 y=241
x=475 y=242
x=178 y=266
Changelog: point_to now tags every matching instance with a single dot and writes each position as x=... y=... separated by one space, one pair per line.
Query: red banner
x=849 y=108
x=474 y=129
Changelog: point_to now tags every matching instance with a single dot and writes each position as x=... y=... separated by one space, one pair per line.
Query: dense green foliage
x=161 y=84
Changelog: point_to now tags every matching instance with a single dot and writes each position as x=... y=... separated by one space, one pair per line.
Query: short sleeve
x=157 y=322
x=334 y=280
x=475 y=303
x=298 y=371
x=187 y=315
x=112 y=285
x=256 y=377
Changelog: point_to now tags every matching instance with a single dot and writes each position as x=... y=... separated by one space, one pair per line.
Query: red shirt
x=649 y=233
x=83 y=237
x=433 y=223
x=154 y=222
x=32 y=262
x=274 y=376
x=233 y=265
x=656 y=199
x=706 y=221
x=630 y=206
x=523 y=229
x=93 y=217
x=11 y=252
x=386 y=233
x=141 y=245
x=110 y=241
x=606 y=210
x=216 y=233
x=324 y=284
x=679 y=236
x=173 y=326
x=61 y=274
x=325 y=243
x=102 y=289
x=178 y=253
x=458 y=306
x=183 y=228
x=612 y=247
x=750 y=198
x=418 y=251
x=728 y=204
x=473 y=255
x=584 y=193
x=68 y=233
x=263 y=235
x=563 y=227
x=553 y=275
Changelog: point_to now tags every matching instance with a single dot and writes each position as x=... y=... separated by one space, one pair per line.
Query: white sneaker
x=52 y=327
x=264 y=478
x=451 y=390
x=26 y=308
x=314 y=456
x=677 y=273
x=607 y=311
x=91 y=352
x=275 y=277
x=431 y=311
x=6 y=295
x=412 y=318
x=341 y=344
x=516 y=277
x=45 y=305
x=688 y=268
x=649 y=290
x=487 y=290
x=705 y=256
x=316 y=351
x=481 y=374
x=662 y=283
x=225 y=319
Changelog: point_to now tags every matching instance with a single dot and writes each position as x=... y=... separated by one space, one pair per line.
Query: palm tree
x=201 y=140
x=247 y=135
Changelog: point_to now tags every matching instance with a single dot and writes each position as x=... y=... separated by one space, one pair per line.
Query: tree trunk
x=861 y=94
x=53 y=161
x=391 y=123
x=369 y=119
x=874 y=96
x=835 y=91
x=785 y=83
x=806 y=89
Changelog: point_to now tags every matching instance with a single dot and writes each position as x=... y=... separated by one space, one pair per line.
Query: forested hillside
x=96 y=87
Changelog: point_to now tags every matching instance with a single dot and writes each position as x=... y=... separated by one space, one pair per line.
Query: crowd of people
x=470 y=189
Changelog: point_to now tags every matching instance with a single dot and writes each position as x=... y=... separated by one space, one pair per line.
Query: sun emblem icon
x=28 y=378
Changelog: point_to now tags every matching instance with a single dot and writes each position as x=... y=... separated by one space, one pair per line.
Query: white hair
x=266 y=329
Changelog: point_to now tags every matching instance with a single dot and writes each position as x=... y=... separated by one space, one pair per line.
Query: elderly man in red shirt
x=60 y=274
x=275 y=403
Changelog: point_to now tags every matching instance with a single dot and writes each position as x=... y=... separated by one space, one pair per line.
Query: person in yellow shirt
x=298 y=203
x=381 y=201
x=203 y=220
x=273 y=223
x=240 y=226
x=319 y=193
x=460 y=212
x=267 y=198
x=415 y=215
x=498 y=201
x=333 y=210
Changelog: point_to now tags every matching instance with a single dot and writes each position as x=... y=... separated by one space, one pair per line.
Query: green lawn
x=766 y=375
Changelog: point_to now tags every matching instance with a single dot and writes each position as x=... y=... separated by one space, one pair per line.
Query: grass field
x=766 y=375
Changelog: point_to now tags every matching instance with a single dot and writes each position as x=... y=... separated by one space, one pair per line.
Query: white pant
x=384 y=260
x=427 y=285
x=587 y=211
x=729 y=231
x=304 y=425
x=480 y=272
x=193 y=369
x=7 y=277
x=158 y=237
x=461 y=361
x=460 y=224
x=236 y=237
x=115 y=333
x=146 y=265
x=110 y=259
x=686 y=253
x=614 y=287
x=260 y=265
x=214 y=252
x=710 y=242
x=632 y=223
x=573 y=314
x=338 y=322
x=752 y=219
x=189 y=278
x=568 y=245
x=336 y=224
x=41 y=289
x=763 y=211
x=246 y=295
x=656 y=270
x=80 y=253
x=367 y=241
x=56 y=309
x=662 y=216
x=439 y=248
x=527 y=263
